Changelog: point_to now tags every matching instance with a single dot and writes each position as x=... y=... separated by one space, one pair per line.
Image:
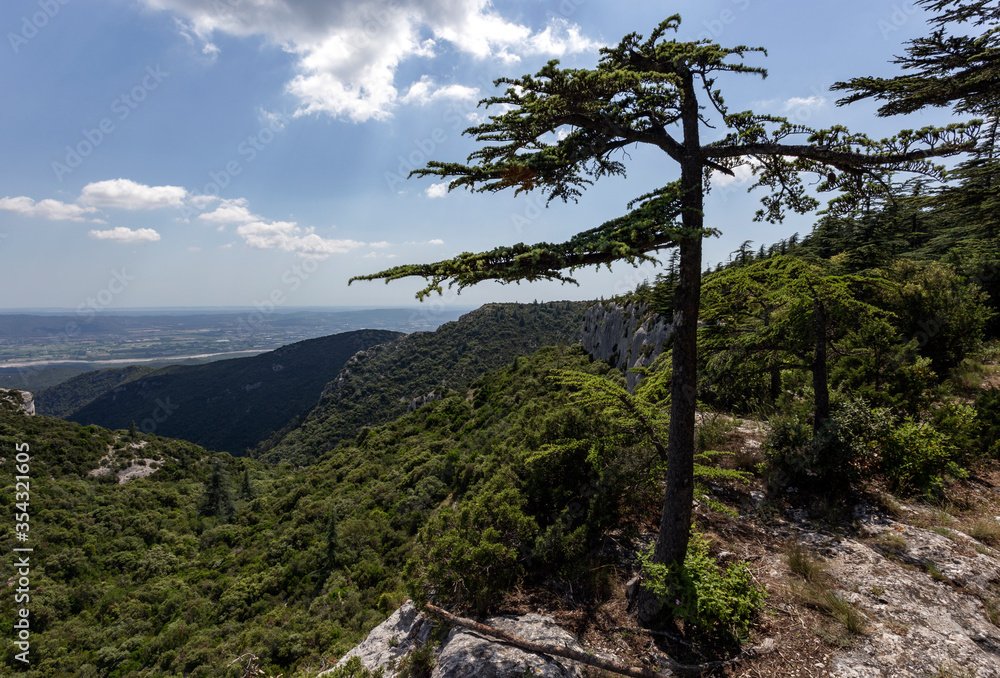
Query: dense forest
x=494 y=466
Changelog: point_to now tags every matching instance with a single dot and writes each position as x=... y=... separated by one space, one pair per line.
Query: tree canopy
x=562 y=129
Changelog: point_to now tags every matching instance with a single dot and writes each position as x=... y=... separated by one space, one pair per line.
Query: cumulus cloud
x=47 y=209
x=741 y=175
x=127 y=235
x=256 y=231
x=128 y=195
x=290 y=237
x=348 y=53
x=425 y=91
x=437 y=190
x=230 y=212
x=796 y=103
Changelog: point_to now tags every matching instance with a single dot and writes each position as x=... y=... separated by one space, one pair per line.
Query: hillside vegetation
x=387 y=380
x=177 y=573
x=69 y=396
x=229 y=405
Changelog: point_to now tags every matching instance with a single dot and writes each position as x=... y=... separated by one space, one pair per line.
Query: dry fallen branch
x=674 y=668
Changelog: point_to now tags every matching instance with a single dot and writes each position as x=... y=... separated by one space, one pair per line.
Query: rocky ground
x=882 y=588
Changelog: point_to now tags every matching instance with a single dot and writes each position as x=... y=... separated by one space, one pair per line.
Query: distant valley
x=39 y=350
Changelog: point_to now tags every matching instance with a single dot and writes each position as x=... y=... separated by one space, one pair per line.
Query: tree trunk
x=821 y=388
x=775 y=384
x=675 y=522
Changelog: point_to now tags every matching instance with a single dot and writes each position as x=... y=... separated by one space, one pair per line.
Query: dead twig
x=674 y=668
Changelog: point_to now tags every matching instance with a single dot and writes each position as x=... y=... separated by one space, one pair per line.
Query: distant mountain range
x=386 y=381
x=295 y=403
x=228 y=405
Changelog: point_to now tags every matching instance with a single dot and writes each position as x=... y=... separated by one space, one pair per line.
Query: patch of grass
x=876 y=590
x=986 y=531
x=935 y=573
x=967 y=375
x=891 y=541
x=713 y=431
x=953 y=670
x=827 y=600
x=992 y=606
x=802 y=563
x=944 y=532
x=748 y=458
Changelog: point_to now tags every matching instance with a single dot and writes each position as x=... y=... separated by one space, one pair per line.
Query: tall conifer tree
x=659 y=93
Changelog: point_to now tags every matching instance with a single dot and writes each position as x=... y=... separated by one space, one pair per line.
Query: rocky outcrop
x=626 y=336
x=402 y=633
x=22 y=400
x=465 y=653
x=420 y=401
x=924 y=595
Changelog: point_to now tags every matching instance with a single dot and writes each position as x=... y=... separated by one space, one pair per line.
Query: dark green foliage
x=39 y=379
x=988 y=415
x=862 y=442
x=381 y=384
x=711 y=602
x=228 y=405
x=217 y=500
x=69 y=396
x=135 y=577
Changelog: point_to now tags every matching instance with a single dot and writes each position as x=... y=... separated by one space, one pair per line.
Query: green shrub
x=474 y=554
x=709 y=600
x=917 y=457
x=988 y=415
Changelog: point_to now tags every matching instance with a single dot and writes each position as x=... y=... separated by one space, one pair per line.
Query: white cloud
x=380 y=244
x=230 y=212
x=289 y=237
x=128 y=195
x=437 y=190
x=348 y=53
x=435 y=241
x=741 y=175
x=809 y=103
x=424 y=92
x=122 y=234
x=47 y=209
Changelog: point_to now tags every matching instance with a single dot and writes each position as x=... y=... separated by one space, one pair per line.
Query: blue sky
x=234 y=152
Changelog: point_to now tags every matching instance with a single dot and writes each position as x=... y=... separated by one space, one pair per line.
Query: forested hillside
x=229 y=405
x=390 y=379
x=69 y=396
x=824 y=417
x=177 y=573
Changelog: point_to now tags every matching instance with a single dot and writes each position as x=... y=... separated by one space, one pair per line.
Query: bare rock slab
x=465 y=653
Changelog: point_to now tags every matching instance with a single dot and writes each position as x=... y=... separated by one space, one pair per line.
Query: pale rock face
x=24 y=399
x=917 y=625
x=464 y=653
x=399 y=635
x=625 y=336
